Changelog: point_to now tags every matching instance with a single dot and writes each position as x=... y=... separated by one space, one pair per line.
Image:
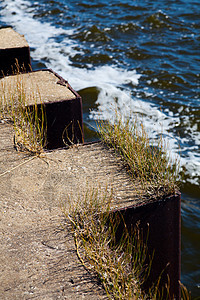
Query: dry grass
x=185 y=294
x=120 y=265
x=145 y=161
x=29 y=122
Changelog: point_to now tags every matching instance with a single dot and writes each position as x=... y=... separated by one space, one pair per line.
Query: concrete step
x=33 y=189
x=63 y=105
x=14 y=52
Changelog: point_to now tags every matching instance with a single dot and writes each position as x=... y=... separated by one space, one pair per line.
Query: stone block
x=63 y=106
x=14 y=53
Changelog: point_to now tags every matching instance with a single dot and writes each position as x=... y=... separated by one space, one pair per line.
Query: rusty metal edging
x=161 y=222
x=75 y=113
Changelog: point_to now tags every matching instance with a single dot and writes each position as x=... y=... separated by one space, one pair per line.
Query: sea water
x=139 y=57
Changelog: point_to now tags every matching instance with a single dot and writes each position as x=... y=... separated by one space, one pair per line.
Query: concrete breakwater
x=37 y=189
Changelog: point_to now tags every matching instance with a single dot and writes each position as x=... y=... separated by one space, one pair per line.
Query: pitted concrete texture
x=46 y=85
x=11 y=39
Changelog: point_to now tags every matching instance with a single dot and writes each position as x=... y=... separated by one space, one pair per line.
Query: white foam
x=156 y=122
x=109 y=80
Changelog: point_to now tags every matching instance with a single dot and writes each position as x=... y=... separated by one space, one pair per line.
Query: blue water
x=141 y=57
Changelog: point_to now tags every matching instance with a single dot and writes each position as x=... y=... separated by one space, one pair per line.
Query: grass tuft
x=146 y=162
x=119 y=265
x=29 y=121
